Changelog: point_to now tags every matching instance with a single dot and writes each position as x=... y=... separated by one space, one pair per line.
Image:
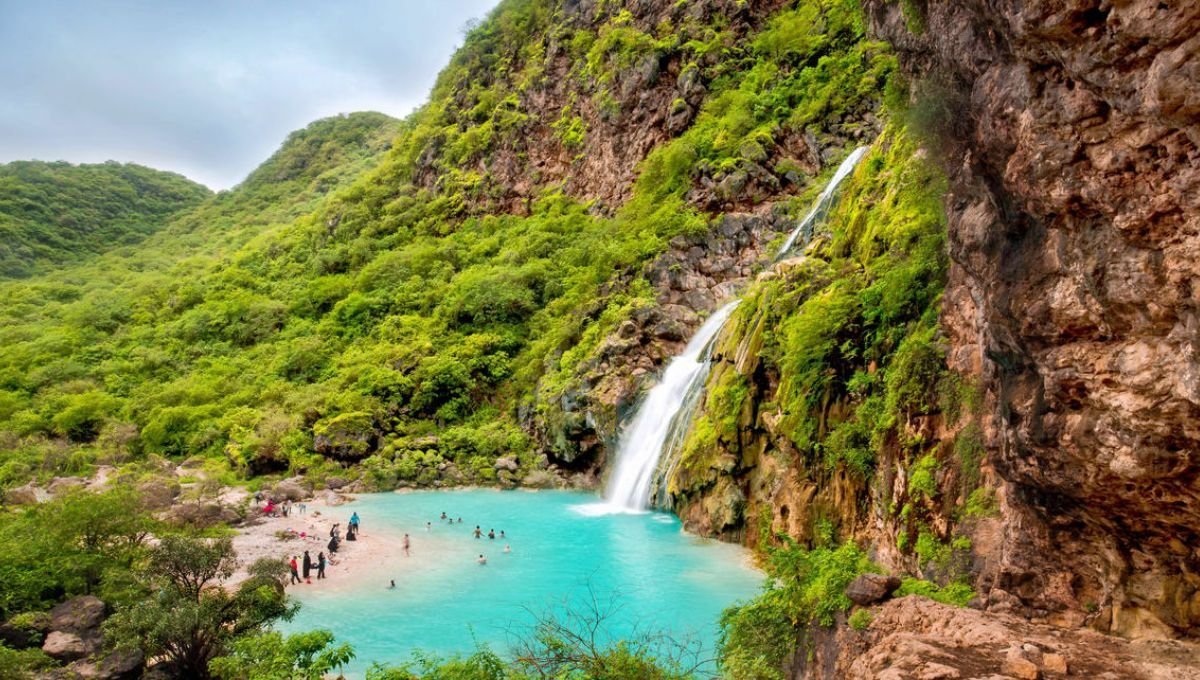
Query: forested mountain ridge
x=53 y=213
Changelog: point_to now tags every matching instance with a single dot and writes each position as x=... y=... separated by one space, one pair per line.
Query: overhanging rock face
x=1074 y=224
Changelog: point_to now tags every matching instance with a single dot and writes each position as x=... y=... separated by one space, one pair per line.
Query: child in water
x=482 y=560
x=507 y=548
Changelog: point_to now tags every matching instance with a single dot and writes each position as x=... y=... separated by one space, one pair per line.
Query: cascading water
x=641 y=445
x=663 y=419
x=821 y=206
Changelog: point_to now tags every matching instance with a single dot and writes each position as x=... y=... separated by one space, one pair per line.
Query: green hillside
x=324 y=312
x=51 y=213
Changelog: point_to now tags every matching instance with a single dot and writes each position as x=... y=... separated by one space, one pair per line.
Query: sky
x=209 y=88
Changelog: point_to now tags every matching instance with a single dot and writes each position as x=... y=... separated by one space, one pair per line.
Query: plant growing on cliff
x=807 y=587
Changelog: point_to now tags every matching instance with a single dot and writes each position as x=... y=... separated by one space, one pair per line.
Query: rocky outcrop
x=913 y=637
x=1072 y=141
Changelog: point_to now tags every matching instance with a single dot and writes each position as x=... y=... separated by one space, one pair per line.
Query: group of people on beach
x=302 y=569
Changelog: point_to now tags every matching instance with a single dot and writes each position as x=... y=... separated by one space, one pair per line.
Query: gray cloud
x=208 y=88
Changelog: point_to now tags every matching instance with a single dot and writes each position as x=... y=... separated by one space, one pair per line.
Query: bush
x=861 y=619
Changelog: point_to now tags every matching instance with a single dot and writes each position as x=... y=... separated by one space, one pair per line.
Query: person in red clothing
x=295 y=570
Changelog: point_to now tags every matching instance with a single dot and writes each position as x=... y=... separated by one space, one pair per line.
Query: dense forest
x=53 y=213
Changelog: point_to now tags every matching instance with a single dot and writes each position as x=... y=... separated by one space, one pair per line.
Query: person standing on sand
x=320 y=565
x=307 y=566
x=295 y=570
x=406 y=545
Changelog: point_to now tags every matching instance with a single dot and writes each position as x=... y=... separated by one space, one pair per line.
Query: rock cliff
x=1071 y=133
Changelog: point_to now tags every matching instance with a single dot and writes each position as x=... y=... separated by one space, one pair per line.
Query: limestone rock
x=289 y=490
x=1073 y=162
x=867 y=589
x=82 y=615
x=23 y=495
x=60 y=485
x=66 y=646
x=122 y=664
x=507 y=463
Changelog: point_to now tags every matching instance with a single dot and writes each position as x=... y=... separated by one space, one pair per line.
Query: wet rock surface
x=1074 y=223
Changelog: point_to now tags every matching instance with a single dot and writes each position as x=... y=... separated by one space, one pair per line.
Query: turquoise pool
x=444 y=602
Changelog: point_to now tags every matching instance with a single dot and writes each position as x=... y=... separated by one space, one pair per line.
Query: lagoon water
x=445 y=602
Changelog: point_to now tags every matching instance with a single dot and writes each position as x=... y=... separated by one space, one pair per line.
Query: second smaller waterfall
x=641 y=444
x=821 y=205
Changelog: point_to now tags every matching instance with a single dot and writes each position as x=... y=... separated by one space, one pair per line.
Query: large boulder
x=868 y=589
x=67 y=646
x=80 y=615
x=202 y=515
x=60 y=485
x=158 y=494
x=23 y=495
x=289 y=490
x=120 y=664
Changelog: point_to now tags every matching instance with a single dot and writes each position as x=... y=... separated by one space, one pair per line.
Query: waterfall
x=821 y=206
x=663 y=419
x=642 y=443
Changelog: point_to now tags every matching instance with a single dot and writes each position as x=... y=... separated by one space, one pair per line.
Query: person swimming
x=507 y=548
x=460 y=520
x=443 y=518
x=502 y=533
x=482 y=560
x=492 y=534
x=429 y=526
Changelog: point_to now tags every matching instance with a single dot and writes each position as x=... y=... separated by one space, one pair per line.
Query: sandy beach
x=284 y=537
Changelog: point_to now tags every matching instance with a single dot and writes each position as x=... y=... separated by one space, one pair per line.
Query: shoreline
x=377 y=551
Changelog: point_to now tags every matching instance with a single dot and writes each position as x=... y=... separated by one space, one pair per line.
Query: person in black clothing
x=333 y=544
x=307 y=565
x=320 y=565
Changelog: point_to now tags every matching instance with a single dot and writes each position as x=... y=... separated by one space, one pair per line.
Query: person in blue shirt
x=354 y=520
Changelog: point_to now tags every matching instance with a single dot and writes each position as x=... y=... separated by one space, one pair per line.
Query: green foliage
x=861 y=619
x=23 y=664
x=807 y=587
x=981 y=503
x=271 y=656
x=77 y=544
x=957 y=593
x=52 y=213
x=193 y=618
x=922 y=480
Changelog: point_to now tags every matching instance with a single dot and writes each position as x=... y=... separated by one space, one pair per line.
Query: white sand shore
x=263 y=539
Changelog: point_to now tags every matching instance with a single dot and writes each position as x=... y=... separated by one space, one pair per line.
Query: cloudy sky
x=208 y=88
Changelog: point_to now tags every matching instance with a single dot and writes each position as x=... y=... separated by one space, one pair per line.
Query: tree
x=270 y=656
x=193 y=618
x=71 y=545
